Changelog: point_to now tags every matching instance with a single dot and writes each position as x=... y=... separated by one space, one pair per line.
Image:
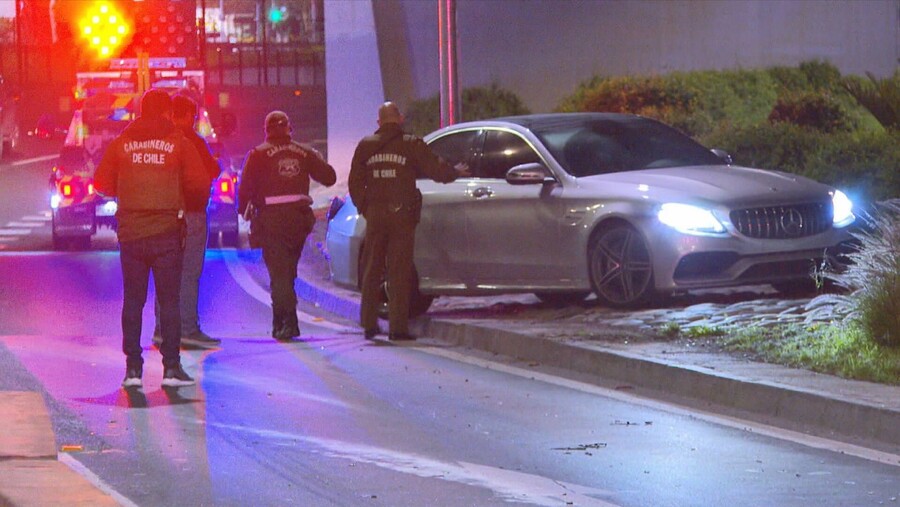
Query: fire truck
x=107 y=102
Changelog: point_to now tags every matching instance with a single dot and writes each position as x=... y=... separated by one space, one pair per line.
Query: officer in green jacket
x=382 y=184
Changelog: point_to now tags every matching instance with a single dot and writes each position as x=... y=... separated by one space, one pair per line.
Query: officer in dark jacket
x=150 y=168
x=382 y=184
x=275 y=182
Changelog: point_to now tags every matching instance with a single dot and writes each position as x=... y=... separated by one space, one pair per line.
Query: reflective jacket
x=278 y=172
x=149 y=168
x=385 y=167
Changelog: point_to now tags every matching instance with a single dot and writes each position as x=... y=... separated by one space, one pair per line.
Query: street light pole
x=450 y=96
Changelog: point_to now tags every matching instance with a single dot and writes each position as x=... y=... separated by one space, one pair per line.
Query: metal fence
x=241 y=64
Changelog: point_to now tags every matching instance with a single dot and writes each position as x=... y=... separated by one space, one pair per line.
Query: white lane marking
x=38 y=218
x=246 y=282
x=34 y=160
x=91 y=477
x=8 y=239
x=25 y=224
x=508 y=485
x=15 y=232
x=731 y=422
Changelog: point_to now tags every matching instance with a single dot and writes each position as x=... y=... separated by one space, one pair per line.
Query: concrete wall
x=542 y=49
x=353 y=80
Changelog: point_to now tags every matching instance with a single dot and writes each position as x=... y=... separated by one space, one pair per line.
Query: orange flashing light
x=104 y=28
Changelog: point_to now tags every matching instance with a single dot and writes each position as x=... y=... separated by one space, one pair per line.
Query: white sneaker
x=133 y=378
x=176 y=377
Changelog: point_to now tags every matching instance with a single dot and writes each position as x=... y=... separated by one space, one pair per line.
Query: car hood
x=729 y=185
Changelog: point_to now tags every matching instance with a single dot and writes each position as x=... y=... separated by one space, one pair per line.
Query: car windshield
x=592 y=146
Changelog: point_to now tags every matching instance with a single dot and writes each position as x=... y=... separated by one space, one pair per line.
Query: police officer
x=275 y=182
x=382 y=184
x=184 y=115
x=150 y=168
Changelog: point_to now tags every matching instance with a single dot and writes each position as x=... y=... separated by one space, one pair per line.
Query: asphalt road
x=335 y=420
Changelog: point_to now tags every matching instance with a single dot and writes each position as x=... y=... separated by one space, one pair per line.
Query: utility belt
x=303 y=199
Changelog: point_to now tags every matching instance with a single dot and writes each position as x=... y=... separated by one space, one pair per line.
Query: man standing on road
x=275 y=182
x=382 y=184
x=150 y=167
x=195 y=220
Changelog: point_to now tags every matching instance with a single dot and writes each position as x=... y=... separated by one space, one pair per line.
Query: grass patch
x=840 y=350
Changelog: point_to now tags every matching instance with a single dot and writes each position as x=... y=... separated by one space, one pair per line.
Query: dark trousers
x=161 y=254
x=284 y=229
x=196 y=235
x=390 y=239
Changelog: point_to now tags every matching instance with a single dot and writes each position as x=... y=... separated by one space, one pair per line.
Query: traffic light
x=104 y=27
x=276 y=15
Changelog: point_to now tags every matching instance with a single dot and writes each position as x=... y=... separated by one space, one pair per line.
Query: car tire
x=620 y=267
x=562 y=298
x=60 y=243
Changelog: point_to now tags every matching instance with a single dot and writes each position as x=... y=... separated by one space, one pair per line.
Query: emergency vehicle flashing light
x=104 y=28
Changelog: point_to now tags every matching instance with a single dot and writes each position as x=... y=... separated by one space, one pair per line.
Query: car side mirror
x=531 y=173
x=722 y=154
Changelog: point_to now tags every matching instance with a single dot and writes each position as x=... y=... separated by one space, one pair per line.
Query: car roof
x=540 y=121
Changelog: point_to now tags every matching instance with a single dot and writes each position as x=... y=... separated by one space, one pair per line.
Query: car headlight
x=690 y=219
x=843 y=209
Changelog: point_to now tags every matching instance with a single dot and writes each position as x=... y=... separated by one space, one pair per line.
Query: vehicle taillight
x=76 y=188
x=225 y=185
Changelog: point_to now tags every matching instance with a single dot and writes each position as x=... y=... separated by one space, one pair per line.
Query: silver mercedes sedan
x=621 y=206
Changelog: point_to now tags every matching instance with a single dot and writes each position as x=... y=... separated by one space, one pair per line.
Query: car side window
x=457 y=147
x=502 y=151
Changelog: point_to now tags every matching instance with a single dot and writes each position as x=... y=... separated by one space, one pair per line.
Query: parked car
x=222 y=208
x=625 y=207
x=9 y=118
x=77 y=211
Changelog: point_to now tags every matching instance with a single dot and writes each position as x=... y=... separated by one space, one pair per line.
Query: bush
x=817 y=111
x=880 y=97
x=478 y=103
x=694 y=102
x=873 y=276
x=863 y=164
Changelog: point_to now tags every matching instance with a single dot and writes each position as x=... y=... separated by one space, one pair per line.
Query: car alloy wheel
x=620 y=268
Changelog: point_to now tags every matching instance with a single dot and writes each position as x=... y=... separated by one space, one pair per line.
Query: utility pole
x=450 y=96
x=19 y=63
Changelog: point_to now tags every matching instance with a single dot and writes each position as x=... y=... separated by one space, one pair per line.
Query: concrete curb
x=821 y=413
x=825 y=414
x=30 y=474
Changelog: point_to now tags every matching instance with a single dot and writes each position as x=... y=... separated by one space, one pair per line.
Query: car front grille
x=783 y=222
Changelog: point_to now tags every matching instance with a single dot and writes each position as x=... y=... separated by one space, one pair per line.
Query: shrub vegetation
x=478 y=103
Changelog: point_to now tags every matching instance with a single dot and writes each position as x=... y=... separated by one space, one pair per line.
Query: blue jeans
x=161 y=254
x=191 y=269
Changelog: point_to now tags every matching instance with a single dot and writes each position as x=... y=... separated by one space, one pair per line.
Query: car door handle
x=482 y=192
